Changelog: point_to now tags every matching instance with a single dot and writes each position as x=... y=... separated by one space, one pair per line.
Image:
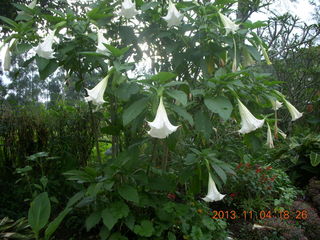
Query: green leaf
x=94 y=54
x=46 y=66
x=145 y=229
x=183 y=113
x=163 y=76
x=39 y=212
x=180 y=96
x=75 y=198
x=116 y=51
x=220 y=172
x=108 y=219
x=129 y=193
x=119 y=209
x=23 y=8
x=104 y=233
x=171 y=236
x=134 y=110
x=52 y=227
x=23 y=47
x=149 y=5
x=92 y=220
x=203 y=123
x=9 y=21
x=117 y=236
x=314 y=159
x=220 y=105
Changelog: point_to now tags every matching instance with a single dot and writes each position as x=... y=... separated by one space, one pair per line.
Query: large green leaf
x=314 y=159
x=183 y=113
x=220 y=105
x=108 y=219
x=52 y=227
x=116 y=51
x=46 y=67
x=133 y=111
x=145 y=229
x=203 y=123
x=129 y=193
x=39 y=212
x=180 y=96
x=163 y=76
x=92 y=220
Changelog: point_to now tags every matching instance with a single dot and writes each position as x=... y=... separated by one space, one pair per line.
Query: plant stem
x=95 y=134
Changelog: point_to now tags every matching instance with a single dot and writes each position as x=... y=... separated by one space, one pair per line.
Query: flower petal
x=295 y=114
x=161 y=126
x=213 y=193
x=248 y=122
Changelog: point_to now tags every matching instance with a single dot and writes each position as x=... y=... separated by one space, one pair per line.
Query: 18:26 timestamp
x=248 y=215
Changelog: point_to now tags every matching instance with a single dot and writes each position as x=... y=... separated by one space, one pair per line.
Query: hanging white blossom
x=6 y=57
x=269 y=137
x=282 y=133
x=173 y=16
x=276 y=104
x=101 y=48
x=95 y=95
x=161 y=126
x=44 y=49
x=32 y=4
x=229 y=25
x=248 y=122
x=213 y=193
x=295 y=114
x=128 y=9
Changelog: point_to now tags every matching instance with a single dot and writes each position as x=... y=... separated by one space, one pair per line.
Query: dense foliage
x=105 y=169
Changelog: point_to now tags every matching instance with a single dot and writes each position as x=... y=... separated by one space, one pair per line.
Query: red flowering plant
x=259 y=187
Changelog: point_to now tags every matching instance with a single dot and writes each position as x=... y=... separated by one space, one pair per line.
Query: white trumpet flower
x=44 y=49
x=229 y=25
x=213 y=193
x=295 y=114
x=269 y=137
x=95 y=95
x=128 y=9
x=32 y=4
x=282 y=133
x=101 y=48
x=161 y=126
x=276 y=104
x=173 y=16
x=248 y=122
x=5 y=57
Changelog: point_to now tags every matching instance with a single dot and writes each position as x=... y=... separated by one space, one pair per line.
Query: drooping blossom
x=213 y=193
x=282 y=133
x=269 y=137
x=161 y=126
x=229 y=25
x=95 y=95
x=6 y=57
x=44 y=49
x=248 y=122
x=128 y=9
x=276 y=104
x=173 y=16
x=32 y=4
x=295 y=114
x=265 y=55
x=101 y=48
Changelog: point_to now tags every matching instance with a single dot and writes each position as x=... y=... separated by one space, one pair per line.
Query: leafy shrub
x=260 y=187
x=128 y=200
x=301 y=157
